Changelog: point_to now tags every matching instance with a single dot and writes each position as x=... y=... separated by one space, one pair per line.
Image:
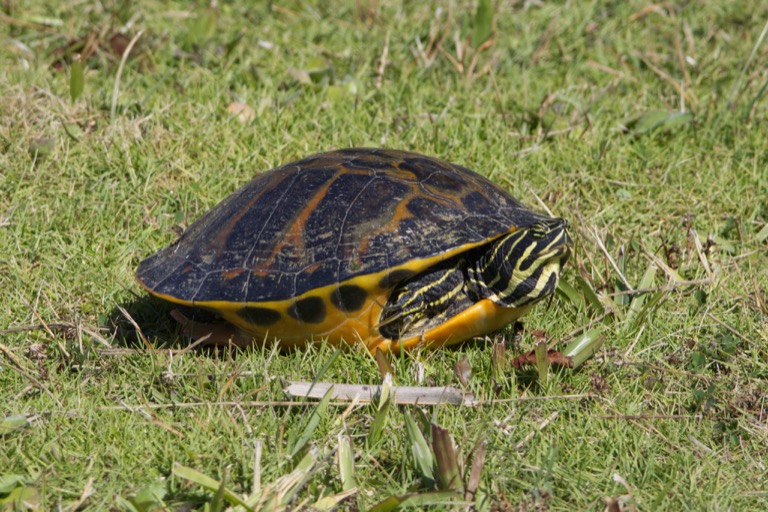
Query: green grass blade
x=590 y=295
x=318 y=413
x=585 y=346
x=149 y=497
x=202 y=28
x=10 y=482
x=293 y=482
x=122 y=504
x=434 y=498
x=389 y=504
x=13 y=423
x=331 y=502
x=76 y=78
x=209 y=483
x=422 y=455
x=656 y=120
x=762 y=235
x=280 y=492
x=638 y=300
x=377 y=425
x=483 y=28
x=416 y=499
x=346 y=456
x=293 y=436
x=217 y=504
x=650 y=306
x=568 y=292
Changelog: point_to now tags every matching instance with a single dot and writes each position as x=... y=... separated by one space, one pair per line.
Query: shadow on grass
x=150 y=317
x=148 y=321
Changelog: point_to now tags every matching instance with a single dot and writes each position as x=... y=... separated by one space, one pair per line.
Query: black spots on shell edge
x=262 y=317
x=349 y=297
x=310 y=310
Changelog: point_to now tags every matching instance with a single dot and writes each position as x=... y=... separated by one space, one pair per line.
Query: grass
x=573 y=105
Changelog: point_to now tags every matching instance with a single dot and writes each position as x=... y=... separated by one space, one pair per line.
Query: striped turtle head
x=524 y=266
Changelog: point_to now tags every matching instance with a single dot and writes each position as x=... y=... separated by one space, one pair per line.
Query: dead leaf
x=463 y=371
x=242 y=111
x=554 y=358
x=118 y=43
x=499 y=358
x=383 y=363
x=475 y=472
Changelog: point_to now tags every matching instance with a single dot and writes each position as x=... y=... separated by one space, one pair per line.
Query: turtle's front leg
x=428 y=299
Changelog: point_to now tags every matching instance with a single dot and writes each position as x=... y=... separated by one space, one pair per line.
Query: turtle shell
x=313 y=248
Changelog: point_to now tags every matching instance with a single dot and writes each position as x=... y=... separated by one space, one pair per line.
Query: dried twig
x=633 y=417
x=116 y=89
x=731 y=329
x=692 y=100
x=87 y=493
x=383 y=63
x=610 y=258
x=135 y=325
x=672 y=285
x=37 y=327
x=368 y=393
x=532 y=433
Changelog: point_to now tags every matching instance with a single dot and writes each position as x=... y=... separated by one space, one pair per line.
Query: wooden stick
x=368 y=393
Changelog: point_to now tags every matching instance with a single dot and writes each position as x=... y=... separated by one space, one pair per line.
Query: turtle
x=376 y=248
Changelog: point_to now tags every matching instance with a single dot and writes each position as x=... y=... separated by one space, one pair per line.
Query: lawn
x=643 y=124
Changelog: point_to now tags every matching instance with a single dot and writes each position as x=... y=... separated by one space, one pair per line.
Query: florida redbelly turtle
x=370 y=247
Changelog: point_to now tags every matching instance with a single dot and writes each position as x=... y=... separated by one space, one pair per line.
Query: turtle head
x=523 y=266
